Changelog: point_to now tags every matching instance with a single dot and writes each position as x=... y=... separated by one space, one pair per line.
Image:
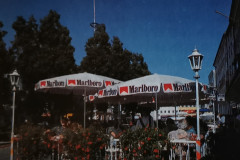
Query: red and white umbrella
x=77 y=84
x=144 y=88
x=162 y=90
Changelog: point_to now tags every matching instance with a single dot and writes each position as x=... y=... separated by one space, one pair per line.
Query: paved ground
x=4 y=151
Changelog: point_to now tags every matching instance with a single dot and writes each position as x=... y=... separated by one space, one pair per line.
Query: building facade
x=226 y=63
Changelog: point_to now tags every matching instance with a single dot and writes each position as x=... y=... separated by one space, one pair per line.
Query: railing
x=177 y=146
x=113 y=150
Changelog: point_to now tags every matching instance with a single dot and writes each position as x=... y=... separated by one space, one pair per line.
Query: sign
x=174 y=87
x=107 y=93
x=88 y=83
x=91 y=98
x=51 y=84
x=127 y=90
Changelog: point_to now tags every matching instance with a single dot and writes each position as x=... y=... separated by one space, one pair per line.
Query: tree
x=42 y=51
x=6 y=61
x=26 y=48
x=56 y=52
x=111 y=60
x=98 y=51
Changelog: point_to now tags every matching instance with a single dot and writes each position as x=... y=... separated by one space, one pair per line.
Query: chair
x=113 y=149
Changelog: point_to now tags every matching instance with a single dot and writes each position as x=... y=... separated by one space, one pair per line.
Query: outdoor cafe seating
x=113 y=150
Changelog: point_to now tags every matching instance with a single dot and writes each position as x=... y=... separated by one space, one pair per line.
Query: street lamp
x=14 y=78
x=196 y=64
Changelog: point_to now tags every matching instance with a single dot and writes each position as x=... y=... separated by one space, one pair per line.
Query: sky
x=165 y=32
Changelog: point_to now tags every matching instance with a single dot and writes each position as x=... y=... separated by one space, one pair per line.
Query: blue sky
x=164 y=31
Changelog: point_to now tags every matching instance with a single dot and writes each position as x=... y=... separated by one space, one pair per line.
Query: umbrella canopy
x=170 y=90
x=75 y=83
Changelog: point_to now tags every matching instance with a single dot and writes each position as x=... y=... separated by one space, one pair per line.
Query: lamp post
x=213 y=98
x=196 y=64
x=14 y=78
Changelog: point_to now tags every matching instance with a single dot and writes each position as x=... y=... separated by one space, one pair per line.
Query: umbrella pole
x=119 y=114
x=175 y=112
x=156 y=112
x=84 y=112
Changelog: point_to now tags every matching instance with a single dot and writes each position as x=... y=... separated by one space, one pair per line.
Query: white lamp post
x=14 y=77
x=196 y=64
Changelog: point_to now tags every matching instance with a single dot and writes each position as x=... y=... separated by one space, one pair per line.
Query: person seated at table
x=170 y=125
x=145 y=120
x=189 y=128
x=59 y=130
x=114 y=130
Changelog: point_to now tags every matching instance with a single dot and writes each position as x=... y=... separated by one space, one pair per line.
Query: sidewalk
x=4 y=151
x=226 y=147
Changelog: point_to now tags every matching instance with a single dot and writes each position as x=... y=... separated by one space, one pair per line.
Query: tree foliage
x=98 y=51
x=6 y=62
x=42 y=51
x=56 y=48
x=110 y=59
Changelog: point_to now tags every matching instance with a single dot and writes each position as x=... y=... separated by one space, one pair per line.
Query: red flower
x=135 y=155
x=99 y=139
x=89 y=142
x=134 y=151
x=87 y=150
x=157 y=156
x=53 y=146
x=139 y=148
x=101 y=147
x=78 y=146
x=126 y=148
x=89 y=134
x=49 y=145
x=148 y=138
x=125 y=158
x=142 y=143
x=160 y=135
x=155 y=151
x=88 y=156
x=83 y=149
x=75 y=158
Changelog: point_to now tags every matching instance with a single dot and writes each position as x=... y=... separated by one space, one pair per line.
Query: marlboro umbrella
x=170 y=90
x=77 y=84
